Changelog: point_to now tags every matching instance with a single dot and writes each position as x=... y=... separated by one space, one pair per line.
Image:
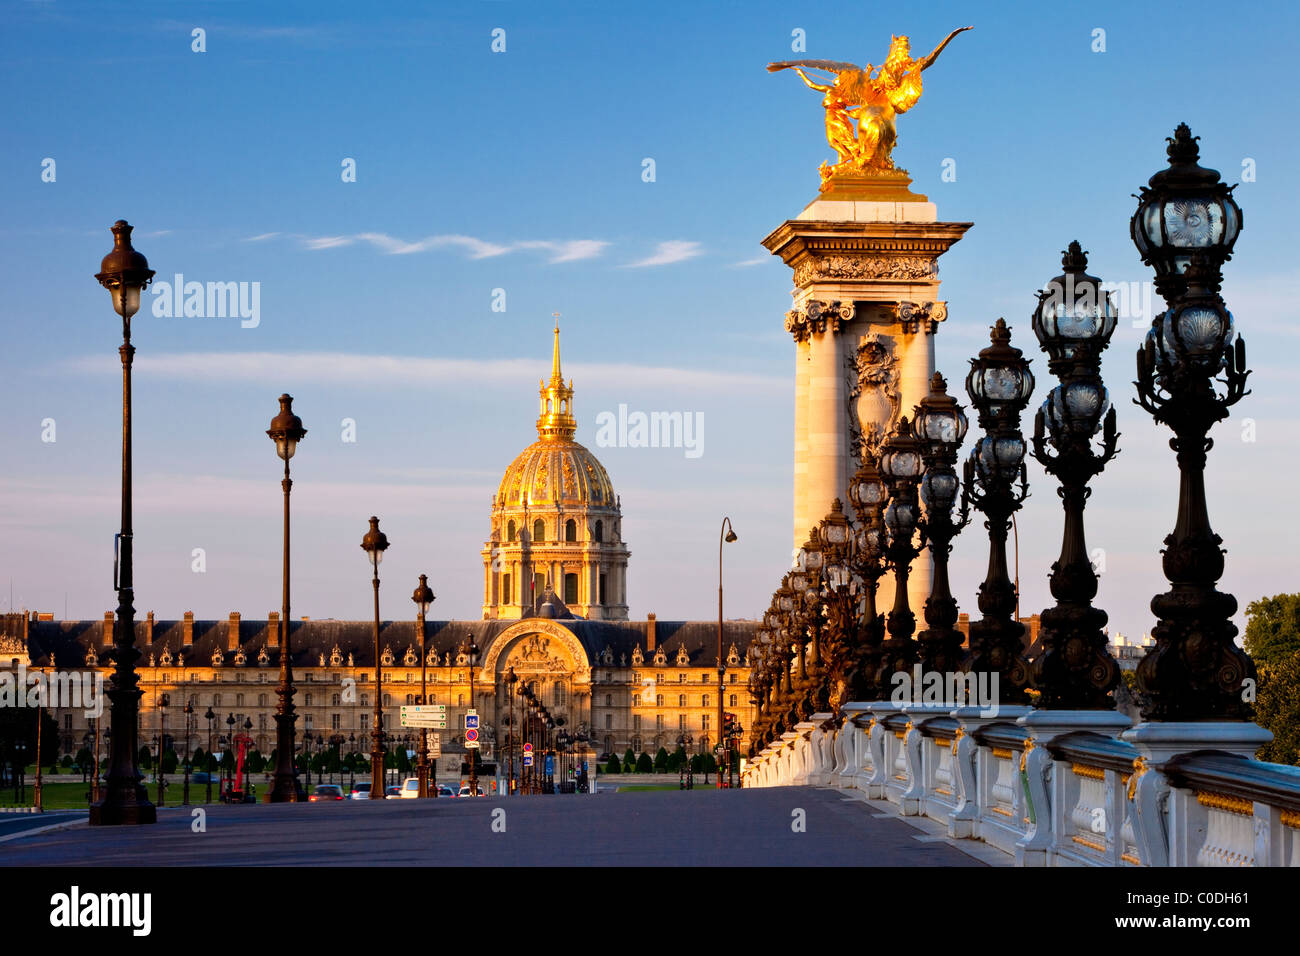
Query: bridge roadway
x=762 y=827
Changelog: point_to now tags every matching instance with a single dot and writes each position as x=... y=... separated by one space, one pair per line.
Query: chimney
x=148 y=628
x=232 y=632
x=187 y=630
x=106 y=639
x=650 y=631
x=273 y=629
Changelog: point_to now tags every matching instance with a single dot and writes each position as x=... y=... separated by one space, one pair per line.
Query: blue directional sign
x=528 y=759
x=471 y=721
x=550 y=765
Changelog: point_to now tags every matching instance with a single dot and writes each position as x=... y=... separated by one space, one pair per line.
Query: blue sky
x=522 y=171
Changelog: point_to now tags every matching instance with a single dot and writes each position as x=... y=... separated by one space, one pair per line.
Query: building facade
x=554 y=611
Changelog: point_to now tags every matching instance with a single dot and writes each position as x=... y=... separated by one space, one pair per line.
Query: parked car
x=410 y=788
x=324 y=792
x=445 y=791
x=392 y=793
x=464 y=791
x=360 y=790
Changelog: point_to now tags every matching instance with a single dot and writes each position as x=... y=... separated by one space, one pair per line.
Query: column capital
x=816 y=317
x=917 y=317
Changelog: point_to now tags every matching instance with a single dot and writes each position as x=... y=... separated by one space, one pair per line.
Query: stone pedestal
x=1043 y=726
x=865 y=313
x=964 y=822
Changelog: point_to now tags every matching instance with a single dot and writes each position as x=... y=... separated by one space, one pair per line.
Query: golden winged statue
x=851 y=93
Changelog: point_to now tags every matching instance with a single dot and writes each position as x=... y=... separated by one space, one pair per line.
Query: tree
x=145 y=758
x=614 y=765
x=644 y=764
x=661 y=761
x=1277 y=707
x=710 y=765
x=629 y=761
x=697 y=763
x=84 y=760
x=677 y=759
x=1273 y=628
x=169 y=761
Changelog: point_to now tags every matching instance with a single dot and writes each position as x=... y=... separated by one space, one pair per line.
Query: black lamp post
x=423 y=596
x=1074 y=321
x=375 y=543
x=352 y=749
x=838 y=606
x=229 y=760
x=211 y=718
x=189 y=718
x=163 y=701
x=940 y=425
x=286 y=431
x=869 y=495
x=901 y=466
x=725 y=534
x=999 y=384
x=125 y=273
x=511 y=678
x=470 y=650
x=1185 y=226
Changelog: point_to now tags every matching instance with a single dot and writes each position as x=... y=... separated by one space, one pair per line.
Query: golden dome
x=556 y=471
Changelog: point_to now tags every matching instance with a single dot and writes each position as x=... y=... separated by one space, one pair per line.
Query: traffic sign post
x=429 y=716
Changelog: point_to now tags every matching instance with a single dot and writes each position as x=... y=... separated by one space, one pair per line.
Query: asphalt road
x=767 y=827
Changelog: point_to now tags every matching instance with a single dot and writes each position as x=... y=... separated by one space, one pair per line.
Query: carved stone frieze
x=908 y=268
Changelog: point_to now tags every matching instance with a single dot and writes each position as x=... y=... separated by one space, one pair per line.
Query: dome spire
x=556 y=377
x=555 y=419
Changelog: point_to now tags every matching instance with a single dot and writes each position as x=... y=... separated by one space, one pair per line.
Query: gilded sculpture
x=852 y=94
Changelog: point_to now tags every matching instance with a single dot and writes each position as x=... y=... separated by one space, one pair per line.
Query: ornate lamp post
x=189 y=718
x=1185 y=226
x=375 y=543
x=999 y=384
x=286 y=431
x=470 y=650
x=125 y=273
x=164 y=700
x=730 y=535
x=838 y=604
x=900 y=467
x=423 y=596
x=511 y=679
x=211 y=718
x=1074 y=321
x=229 y=760
x=869 y=495
x=940 y=425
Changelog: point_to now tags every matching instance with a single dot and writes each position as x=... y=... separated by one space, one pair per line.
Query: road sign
x=528 y=758
x=471 y=720
x=425 y=708
x=471 y=737
x=528 y=748
x=413 y=715
x=550 y=765
x=435 y=746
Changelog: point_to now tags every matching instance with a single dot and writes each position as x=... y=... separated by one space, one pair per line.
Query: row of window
x=659 y=700
x=660 y=678
x=570 y=531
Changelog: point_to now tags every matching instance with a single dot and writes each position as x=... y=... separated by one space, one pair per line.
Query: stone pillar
x=865 y=313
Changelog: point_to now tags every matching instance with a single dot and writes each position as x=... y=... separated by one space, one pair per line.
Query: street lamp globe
x=286 y=429
x=423 y=595
x=1075 y=317
x=1185 y=209
x=124 y=272
x=374 y=543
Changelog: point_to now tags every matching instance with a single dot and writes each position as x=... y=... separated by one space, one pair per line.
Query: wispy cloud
x=345 y=368
x=561 y=250
x=666 y=253
x=746 y=263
